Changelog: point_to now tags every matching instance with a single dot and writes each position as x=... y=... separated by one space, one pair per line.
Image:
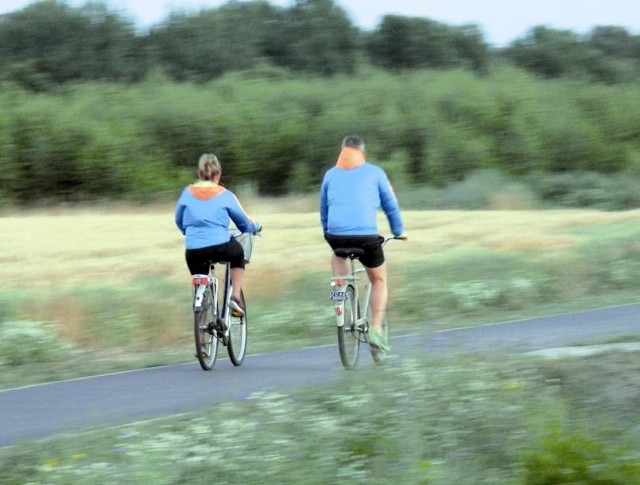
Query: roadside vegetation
x=440 y=418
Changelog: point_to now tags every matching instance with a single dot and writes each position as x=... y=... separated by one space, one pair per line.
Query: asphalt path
x=44 y=410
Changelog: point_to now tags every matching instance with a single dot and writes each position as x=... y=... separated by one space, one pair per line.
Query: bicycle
x=214 y=321
x=353 y=312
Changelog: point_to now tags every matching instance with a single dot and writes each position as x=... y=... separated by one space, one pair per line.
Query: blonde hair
x=208 y=167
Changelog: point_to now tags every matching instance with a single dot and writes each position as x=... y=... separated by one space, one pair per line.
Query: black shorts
x=371 y=245
x=199 y=260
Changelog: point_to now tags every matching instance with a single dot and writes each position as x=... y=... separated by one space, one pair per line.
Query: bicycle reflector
x=339 y=282
x=200 y=280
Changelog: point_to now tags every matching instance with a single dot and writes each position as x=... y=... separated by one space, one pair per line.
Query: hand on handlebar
x=402 y=237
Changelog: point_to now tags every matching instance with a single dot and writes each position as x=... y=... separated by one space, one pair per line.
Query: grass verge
x=462 y=418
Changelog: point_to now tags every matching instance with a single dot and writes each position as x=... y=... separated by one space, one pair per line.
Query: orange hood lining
x=203 y=190
x=350 y=158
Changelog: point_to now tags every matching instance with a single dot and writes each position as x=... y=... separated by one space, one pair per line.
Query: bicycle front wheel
x=349 y=332
x=204 y=332
x=237 y=342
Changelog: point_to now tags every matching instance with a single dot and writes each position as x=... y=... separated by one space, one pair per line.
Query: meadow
x=111 y=282
x=100 y=289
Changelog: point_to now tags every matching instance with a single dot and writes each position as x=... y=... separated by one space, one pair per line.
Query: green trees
x=50 y=42
x=203 y=46
x=313 y=36
x=608 y=54
x=416 y=43
x=317 y=37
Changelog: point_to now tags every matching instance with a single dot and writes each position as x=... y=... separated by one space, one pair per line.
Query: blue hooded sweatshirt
x=351 y=194
x=203 y=213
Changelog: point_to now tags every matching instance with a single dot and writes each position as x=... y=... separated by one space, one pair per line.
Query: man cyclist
x=202 y=214
x=350 y=196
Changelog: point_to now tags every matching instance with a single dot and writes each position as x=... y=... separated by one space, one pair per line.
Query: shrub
x=26 y=342
x=576 y=458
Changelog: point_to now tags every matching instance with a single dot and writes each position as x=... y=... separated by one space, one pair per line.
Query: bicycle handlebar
x=398 y=238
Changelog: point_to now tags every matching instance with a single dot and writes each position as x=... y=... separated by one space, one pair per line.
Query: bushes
x=575 y=458
x=25 y=342
x=427 y=129
x=586 y=189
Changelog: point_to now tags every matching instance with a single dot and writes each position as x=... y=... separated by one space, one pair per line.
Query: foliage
x=609 y=54
x=571 y=457
x=140 y=142
x=25 y=342
x=49 y=44
x=408 y=43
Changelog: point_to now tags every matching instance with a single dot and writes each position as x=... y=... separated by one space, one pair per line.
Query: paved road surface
x=44 y=410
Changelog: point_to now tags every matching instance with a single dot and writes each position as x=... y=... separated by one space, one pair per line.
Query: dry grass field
x=65 y=247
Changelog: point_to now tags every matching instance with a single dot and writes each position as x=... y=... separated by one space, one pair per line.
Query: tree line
x=50 y=43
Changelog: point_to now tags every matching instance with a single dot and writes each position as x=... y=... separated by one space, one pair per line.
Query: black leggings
x=199 y=260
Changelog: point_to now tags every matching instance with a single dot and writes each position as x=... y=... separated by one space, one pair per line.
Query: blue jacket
x=203 y=213
x=350 y=197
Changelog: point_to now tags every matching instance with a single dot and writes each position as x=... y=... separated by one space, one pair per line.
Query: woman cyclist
x=202 y=214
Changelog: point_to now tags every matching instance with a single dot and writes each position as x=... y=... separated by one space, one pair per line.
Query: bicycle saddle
x=349 y=253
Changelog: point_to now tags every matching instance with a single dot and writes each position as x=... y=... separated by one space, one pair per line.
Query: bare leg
x=379 y=296
x=237 y=278
x=338 y=266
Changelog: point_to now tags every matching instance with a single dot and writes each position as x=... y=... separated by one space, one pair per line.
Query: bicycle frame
x=214 y=322
x=340 y=283
x=217 y=325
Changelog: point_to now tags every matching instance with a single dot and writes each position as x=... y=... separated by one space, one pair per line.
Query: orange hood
x=350 y=158
x=204 y=190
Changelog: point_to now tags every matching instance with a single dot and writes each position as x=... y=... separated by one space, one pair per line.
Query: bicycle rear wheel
x=204 y=332
x=237 y=340
x=349 y=332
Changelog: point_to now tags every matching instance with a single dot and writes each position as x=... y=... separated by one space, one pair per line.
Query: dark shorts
x=371 y=245
x=199 y=260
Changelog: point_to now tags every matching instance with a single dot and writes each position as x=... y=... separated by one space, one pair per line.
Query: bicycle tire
x=204 y=332
x=237 y=336
x=348 y=332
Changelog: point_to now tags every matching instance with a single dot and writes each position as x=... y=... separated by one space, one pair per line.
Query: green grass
x=429 y=419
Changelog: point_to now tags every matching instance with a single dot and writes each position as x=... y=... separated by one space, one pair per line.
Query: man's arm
x=324 y=209
x=390 y=206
